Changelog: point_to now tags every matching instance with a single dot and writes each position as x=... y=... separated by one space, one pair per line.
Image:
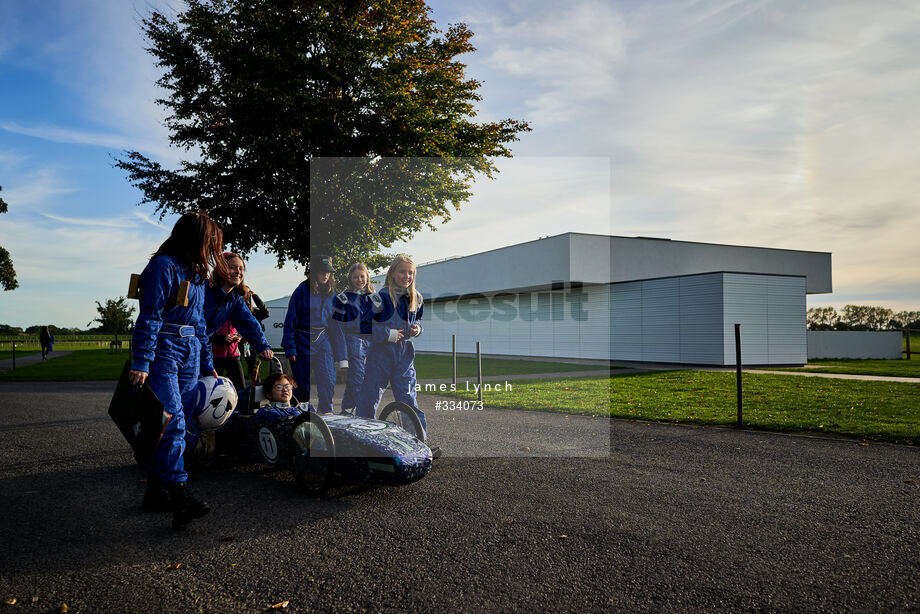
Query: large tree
x=115 y=316
x=352 y=115
x=7 y=272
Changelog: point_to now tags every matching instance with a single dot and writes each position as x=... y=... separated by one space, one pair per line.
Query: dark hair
x=273 y=379
x=327 y=289
x=197 y=242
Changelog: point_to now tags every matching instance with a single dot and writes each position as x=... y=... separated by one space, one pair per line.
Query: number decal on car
x=268 y=445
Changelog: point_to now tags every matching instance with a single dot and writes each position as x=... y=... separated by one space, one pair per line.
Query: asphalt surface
x=30 y=359
x=526 y=511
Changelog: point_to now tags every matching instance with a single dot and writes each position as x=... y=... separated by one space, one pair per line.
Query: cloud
x=561 y=58
x=35 y=187
x=107 y=223
x=97 y=55
x=743 y=122
x=59 y=134
x=149 y=220
x=531 y=197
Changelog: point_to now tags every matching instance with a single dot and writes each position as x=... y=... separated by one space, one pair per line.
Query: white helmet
x=214 y=400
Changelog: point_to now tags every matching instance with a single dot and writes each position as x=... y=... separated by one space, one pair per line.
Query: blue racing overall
x=353 y=314
x=221 y=306
x=310 y=337
x=390 y=360
x=171 y=345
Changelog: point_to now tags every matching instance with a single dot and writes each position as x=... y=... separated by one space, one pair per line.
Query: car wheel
x=312 y=452
x=403 y=416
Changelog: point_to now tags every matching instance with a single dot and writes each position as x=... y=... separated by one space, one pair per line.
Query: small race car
x=321 y=450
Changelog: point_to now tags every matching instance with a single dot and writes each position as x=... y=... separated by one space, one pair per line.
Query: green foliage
x=861 y=317
x=263 y=89
x=115 y=316
x=7 y=272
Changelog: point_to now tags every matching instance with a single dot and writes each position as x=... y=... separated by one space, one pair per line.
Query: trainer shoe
x=186 y=507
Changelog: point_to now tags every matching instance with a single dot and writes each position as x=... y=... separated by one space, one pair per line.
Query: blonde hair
x=360 y=266
x=414 y=297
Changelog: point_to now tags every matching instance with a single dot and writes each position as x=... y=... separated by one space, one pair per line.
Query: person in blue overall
x=353 y=313
x=224 y=301
x=170 y=349
x=310 y=340
x=391 y=356
x=229 y=299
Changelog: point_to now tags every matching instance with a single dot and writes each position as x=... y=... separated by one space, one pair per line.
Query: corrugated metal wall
x=691 y=319
x=771 y=311
x=687 y=320
x=547 y=323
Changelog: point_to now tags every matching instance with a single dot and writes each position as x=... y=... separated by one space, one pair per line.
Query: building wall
x=854 y=344
x=688 y=319
x=771 y=310
x=691 y=319
x=570 y=323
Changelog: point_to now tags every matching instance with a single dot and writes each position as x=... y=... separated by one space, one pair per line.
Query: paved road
x=662 y=518
x=21 y=361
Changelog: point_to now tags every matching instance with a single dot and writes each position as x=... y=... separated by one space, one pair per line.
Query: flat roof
x=604 y=259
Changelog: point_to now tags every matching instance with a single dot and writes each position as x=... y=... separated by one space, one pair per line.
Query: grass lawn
x=895 y=368
x=83 y=365
x=433 y=366
x=100 y=364
x=874 y=410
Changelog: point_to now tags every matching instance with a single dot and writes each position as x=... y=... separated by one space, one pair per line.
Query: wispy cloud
x=148 y=219
x=107 y=223
x=59 y=134
x=35 y=187
x=98 y=56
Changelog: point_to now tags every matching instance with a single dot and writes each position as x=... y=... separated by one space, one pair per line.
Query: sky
x=780 y=124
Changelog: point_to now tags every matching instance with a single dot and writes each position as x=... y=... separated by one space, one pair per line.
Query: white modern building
x=619 y=298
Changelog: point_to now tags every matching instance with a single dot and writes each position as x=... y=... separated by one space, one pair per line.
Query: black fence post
x=14 y=354
x=738 y=371
x=907 y=330
x=479 y=368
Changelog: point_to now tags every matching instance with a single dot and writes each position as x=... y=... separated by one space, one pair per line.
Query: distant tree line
x=861 y=317
x=115 y=316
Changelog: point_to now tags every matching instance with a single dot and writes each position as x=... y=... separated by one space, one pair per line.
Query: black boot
x=156 y=497
x=186 y=507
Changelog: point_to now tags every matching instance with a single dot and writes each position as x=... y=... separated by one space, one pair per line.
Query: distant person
x=353 y=313
x=170 y=348
x=311 y=341
x=228 y=307
x=46 y=339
